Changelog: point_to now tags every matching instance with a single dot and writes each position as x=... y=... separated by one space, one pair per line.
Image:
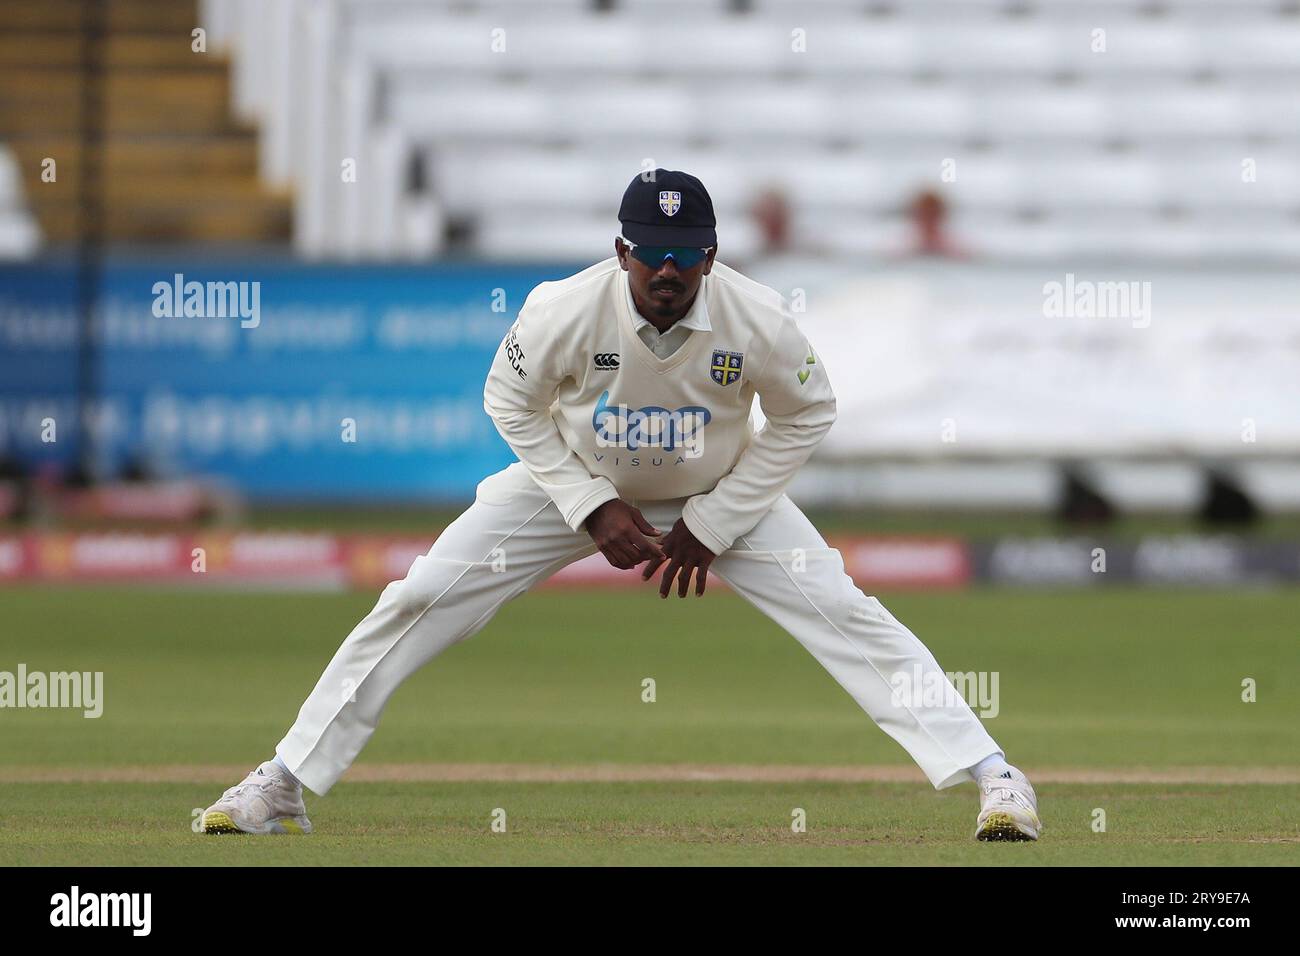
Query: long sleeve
x=796 y=398
x=521 y=386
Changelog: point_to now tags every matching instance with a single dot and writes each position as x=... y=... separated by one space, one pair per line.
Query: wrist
x=702 y=532
x=603 y=495
x=600 y=513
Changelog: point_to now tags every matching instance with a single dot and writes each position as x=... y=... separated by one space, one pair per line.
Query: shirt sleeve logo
x=725 y=366
x=805 y=372
x=514 y=352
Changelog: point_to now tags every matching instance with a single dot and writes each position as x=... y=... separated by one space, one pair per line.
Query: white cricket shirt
x=595 y=414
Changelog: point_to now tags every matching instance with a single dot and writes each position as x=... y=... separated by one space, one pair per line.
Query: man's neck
x=664 y=323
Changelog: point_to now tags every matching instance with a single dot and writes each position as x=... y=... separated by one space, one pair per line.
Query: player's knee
x=408 y=599
x=426 y=584
x=838 y=598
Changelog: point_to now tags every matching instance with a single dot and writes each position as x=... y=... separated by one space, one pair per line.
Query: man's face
x=664 y=291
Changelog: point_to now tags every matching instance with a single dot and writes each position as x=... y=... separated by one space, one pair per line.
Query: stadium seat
x=845 y=105
x=20 y=235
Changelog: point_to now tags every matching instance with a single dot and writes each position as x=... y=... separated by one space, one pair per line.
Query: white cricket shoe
x=268 y=801
x=1008 y=807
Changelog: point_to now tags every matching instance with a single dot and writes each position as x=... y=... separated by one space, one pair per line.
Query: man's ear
x=621 y=251
x=708 y=260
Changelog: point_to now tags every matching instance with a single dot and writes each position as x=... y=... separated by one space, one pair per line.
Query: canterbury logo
x=606 y=360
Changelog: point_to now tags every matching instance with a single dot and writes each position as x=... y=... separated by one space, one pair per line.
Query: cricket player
x=626 y=392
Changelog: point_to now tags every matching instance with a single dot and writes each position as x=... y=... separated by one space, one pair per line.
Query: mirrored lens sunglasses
x=684 y=257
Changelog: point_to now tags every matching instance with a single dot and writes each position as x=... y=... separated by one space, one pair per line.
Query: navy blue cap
x=668 y=208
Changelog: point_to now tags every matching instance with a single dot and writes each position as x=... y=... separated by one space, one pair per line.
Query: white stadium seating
x=20 y=237
x=1076 y=127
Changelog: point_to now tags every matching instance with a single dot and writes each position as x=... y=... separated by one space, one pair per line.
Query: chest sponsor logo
x=651 y=426
x=725 y=366
x=670 y=201
x=605 y=361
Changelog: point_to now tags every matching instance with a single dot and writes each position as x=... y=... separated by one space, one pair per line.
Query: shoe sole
x=1001 y=828
x=216 y=822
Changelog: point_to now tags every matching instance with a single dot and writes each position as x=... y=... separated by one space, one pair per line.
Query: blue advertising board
x=289 y=380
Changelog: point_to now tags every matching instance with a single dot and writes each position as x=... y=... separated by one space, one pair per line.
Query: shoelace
x=261 y=781
x=1011 y=795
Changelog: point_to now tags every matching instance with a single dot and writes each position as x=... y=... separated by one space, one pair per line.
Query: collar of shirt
x=696 y=319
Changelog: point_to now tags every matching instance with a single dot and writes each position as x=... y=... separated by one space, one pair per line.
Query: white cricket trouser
x=512 y=537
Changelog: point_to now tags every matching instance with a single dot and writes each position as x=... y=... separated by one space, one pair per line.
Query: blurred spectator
x=771 y=214
x=929 y=214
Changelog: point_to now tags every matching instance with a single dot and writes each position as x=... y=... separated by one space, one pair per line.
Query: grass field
x=1124 y=701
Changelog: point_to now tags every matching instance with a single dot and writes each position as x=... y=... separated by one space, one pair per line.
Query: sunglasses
x=684 y=257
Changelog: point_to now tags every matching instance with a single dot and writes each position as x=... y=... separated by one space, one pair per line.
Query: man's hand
x=684 y=554
x=620 y=531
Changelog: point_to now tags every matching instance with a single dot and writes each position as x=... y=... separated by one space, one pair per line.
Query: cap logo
x=670 y=202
